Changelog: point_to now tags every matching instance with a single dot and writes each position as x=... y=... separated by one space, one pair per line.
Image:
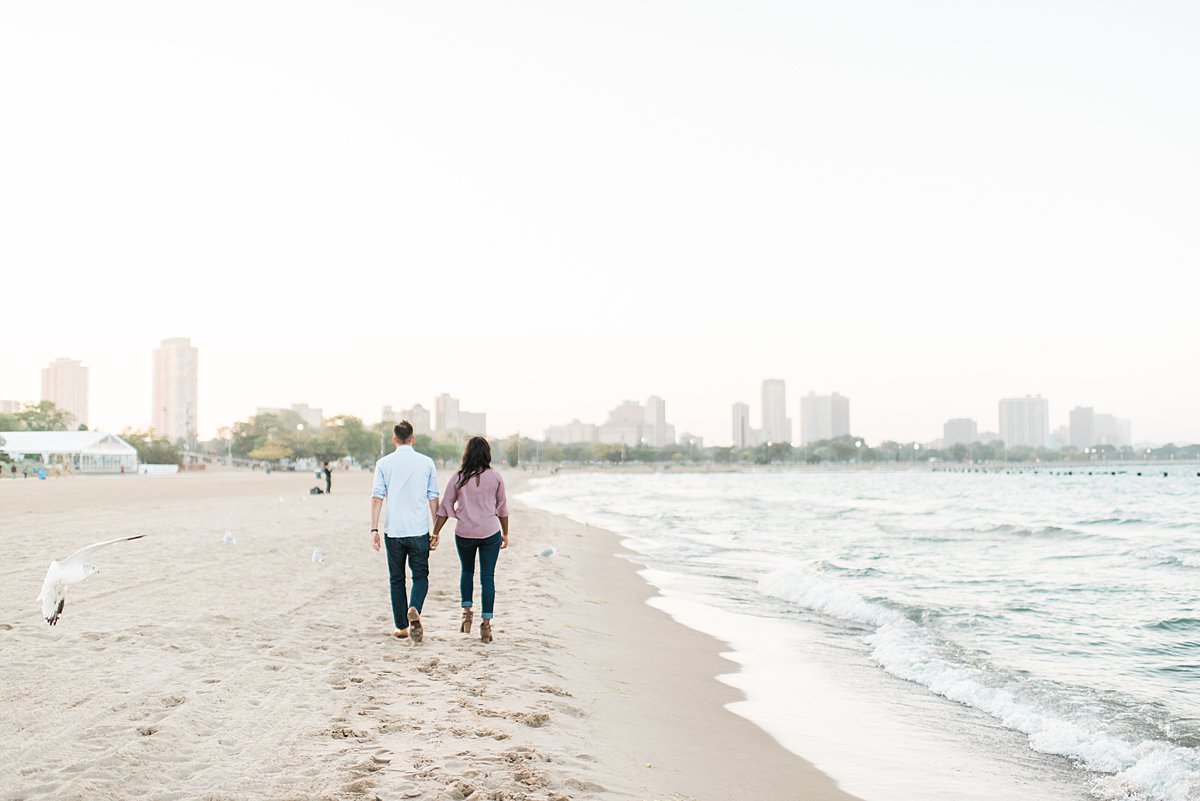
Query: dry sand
x=190 y=668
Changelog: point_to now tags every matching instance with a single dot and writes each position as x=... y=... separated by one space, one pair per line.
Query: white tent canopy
x=81 y=451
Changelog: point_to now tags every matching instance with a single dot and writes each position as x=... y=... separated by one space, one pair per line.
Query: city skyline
x=565 y=241
x=1031 y=417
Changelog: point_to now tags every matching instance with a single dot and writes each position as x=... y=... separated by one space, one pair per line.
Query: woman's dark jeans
x=489 y=552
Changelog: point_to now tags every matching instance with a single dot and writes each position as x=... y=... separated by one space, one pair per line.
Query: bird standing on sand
x=71 y=570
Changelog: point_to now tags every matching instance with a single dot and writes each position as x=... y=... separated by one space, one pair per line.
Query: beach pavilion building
x=78 y=451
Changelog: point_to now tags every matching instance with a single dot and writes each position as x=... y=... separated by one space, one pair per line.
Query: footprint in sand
x=346 y=732
x=583 y=784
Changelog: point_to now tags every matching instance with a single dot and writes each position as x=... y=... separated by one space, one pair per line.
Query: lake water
x=923 y=635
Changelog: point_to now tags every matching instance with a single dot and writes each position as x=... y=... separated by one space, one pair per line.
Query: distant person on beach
x=475 y=497
x=407 y=482
x=328 y=478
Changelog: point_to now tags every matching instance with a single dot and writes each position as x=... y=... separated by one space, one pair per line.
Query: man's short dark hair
x=403 y=431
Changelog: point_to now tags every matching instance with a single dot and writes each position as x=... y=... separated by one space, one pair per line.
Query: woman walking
x=475 y=497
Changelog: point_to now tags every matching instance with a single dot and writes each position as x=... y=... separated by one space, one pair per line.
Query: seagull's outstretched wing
x=77 y=558
x=68 y=571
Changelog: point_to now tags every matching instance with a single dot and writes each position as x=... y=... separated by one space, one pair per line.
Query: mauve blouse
x=477 y=508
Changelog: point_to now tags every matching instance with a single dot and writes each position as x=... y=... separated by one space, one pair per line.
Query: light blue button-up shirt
x=407 y=481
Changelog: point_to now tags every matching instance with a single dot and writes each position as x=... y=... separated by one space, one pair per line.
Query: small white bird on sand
x=318 y=557
x=71 y=570
x=230 y=539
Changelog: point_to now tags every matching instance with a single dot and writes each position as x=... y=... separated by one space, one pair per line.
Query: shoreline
x=706 y=751
x=192 y=668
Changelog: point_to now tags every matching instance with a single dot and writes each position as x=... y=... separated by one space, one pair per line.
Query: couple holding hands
x=406 y=481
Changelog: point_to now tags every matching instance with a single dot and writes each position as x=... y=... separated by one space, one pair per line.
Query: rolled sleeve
x=501 y=498
x=431 y=490
x=380 y=489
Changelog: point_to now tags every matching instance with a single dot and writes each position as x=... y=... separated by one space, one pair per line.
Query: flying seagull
x=71 y=570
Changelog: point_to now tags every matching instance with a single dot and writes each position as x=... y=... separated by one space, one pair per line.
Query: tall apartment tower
x=1111 y=430
x=823 y=417
x=419 y=417
x=65 y=384
x=777 y=426
x=1083 y=427
x=1025 y=422
x=176 y=387
x=446 y=409
x=741 y=425
x=655 y=420
x=960 y=431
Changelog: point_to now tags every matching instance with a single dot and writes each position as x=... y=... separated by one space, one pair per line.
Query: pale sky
x=546 y=208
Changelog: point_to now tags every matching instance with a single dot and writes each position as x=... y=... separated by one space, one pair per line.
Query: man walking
x=328 y=477
x=407 y=482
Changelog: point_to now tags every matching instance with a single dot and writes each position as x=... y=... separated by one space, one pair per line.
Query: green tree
x=151 y=449
x=271 y=452
x=346 y=435
x=285 y=429
x=43 y=416
x=608 y=452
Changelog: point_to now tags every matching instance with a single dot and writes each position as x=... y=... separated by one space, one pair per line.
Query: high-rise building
x=176 y=387
x=10 y=406
x=1059 y=438
x=1025 y=422
x=624 y=424
x=418 y=416
x=657 y=432
x=574 y=433
x=452 y=419
x=1111 y=430
x=633 y=424
x=446 y=408
x=960 y=431
x=473 y=424
x=777 y=426
x=823 y=417
x=65 y=384
x=1083 y=427
x=741 y=425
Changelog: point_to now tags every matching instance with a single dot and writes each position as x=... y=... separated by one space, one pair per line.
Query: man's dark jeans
x=416 y=551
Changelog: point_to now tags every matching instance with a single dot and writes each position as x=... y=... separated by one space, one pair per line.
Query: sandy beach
x=192 y=668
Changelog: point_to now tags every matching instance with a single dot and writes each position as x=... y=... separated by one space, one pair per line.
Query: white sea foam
x=1151 y=769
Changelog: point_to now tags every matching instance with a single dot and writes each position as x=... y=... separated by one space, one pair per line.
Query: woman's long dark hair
x=477 y=457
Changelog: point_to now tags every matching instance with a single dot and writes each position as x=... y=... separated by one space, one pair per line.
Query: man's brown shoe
x=416 y=632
